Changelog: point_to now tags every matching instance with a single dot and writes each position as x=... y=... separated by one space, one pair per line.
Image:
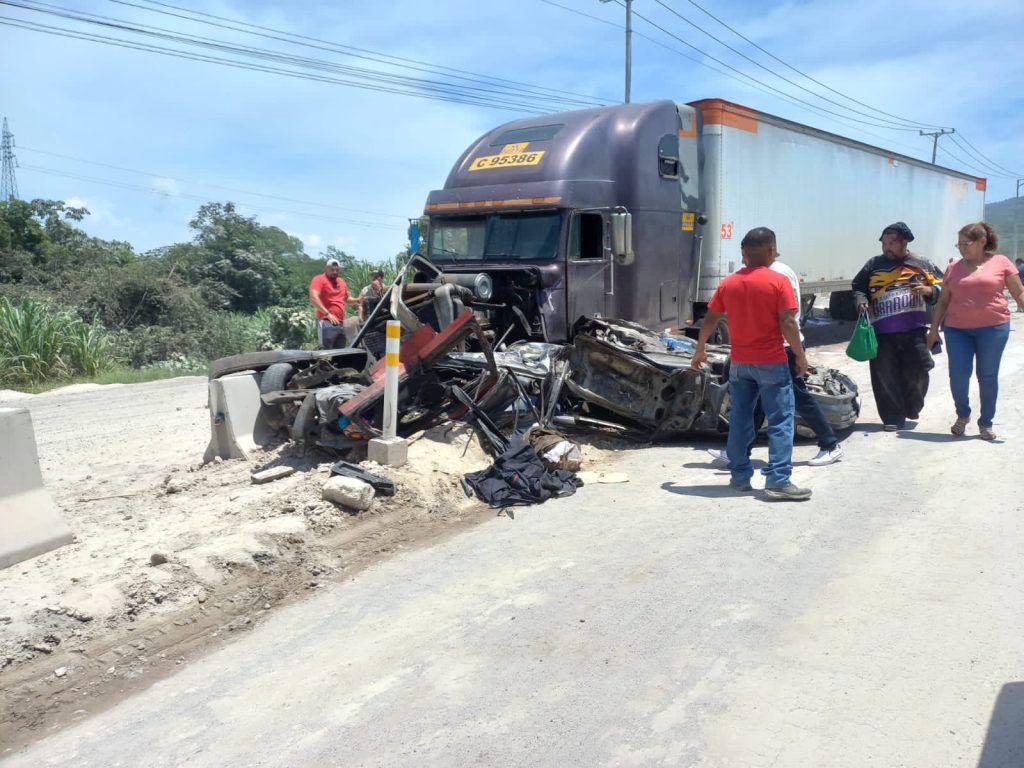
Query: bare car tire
x=274 y=379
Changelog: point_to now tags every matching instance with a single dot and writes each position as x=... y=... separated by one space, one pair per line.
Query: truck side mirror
x=622 y=238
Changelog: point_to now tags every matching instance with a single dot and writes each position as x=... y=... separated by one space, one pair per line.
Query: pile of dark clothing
x=518 y=476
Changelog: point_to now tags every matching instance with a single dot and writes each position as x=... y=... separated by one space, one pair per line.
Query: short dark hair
x=759 y=236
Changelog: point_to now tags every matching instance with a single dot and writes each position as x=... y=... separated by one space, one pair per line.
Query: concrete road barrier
x=30 y=523
x=237 y=424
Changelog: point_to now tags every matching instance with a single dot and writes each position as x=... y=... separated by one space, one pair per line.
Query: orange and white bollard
x=391 y=363
x=390 y=450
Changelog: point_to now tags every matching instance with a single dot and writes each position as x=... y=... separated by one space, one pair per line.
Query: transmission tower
x=8 y=184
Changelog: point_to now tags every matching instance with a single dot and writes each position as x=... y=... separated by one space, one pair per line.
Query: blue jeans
x=773 y=384
x=986 y=344
x=807 y=408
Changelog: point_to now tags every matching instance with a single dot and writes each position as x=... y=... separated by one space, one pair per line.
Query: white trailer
x=826 y=197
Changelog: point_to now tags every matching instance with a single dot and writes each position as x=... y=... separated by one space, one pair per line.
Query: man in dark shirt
x=893 y=289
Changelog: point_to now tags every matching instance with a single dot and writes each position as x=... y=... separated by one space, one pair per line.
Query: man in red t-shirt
x=329 y=294
x=762 y=311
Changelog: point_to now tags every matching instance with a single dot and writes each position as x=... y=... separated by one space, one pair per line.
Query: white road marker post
x=390 y=450
x=391 y=362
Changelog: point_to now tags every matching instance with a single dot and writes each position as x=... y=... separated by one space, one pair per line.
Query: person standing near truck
x=807 y=408
x=328 y=293
x=975 y=316
x=762 y=311
x=894 y=289
x=370 y=295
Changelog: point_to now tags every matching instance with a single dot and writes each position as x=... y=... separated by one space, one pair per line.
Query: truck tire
x=841 y=306
x=274 y=379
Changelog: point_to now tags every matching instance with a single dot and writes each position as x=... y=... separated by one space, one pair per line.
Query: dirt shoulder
x=172 y=558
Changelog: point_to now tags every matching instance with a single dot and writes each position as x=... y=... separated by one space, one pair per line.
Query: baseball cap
x=376 y=273
x=332 y=263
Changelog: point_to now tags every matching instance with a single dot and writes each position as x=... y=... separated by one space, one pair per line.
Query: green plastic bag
x=864 y=345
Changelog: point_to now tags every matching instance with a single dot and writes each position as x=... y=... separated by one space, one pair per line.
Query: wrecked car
x=456 y=363
x=615 y=378
x=625 y=374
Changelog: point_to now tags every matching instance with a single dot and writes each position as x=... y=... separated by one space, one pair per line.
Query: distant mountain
x=1000 y=216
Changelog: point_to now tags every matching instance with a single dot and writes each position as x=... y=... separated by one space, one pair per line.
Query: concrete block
x=388 y=453
x=348 y=492
x=30 y=523
x=237 y=424
x=272 y=474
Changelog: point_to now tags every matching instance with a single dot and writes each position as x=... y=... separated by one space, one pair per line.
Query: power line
x=975 y=152
x=89 y=37
x=987 y=168
x=360 y=76
x=1000 y=170
x=963 y=163
x=766 y=85
x=297 y=39
x=212 y=186
x=750 y=82
x=900 y=126
x=263 y=209
x=804 y=74
x=385 y=82
x=745 y=80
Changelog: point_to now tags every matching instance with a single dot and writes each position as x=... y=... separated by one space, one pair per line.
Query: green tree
x=231 y=250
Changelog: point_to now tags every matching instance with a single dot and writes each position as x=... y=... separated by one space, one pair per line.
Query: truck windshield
x=518 y=236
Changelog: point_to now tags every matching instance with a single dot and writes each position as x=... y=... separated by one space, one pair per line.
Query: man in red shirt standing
x=329 y=294
x=762 y=310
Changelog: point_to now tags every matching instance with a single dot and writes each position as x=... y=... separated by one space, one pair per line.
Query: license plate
x=507 y=160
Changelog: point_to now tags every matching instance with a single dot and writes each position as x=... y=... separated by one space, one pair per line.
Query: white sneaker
x=719 y=458
x=827 y=457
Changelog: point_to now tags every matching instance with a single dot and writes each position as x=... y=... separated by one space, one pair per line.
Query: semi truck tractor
x=636 y=212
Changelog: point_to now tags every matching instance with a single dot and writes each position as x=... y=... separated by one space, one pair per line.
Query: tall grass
x=40 y=342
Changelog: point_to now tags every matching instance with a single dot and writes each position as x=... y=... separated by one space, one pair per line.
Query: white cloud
x=166 y=186
x=101 y=212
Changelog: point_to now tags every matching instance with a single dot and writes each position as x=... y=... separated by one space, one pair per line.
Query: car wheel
x=274 y=379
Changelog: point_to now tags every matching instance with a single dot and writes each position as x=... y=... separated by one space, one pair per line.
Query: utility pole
x=1016 y=213
x=8 y=184
x=935 y=143
x=629 y=44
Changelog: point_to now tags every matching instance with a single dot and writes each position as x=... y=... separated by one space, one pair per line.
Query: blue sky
x=346 y=166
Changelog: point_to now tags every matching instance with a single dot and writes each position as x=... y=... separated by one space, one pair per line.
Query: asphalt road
x=665 y=621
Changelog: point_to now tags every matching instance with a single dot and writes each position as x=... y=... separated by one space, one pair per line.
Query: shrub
x=39 y=342
x=289 y=328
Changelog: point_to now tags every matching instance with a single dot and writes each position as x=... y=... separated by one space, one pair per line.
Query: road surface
x=664 y=621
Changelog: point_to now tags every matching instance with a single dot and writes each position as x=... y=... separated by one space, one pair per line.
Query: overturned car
x=625 y=374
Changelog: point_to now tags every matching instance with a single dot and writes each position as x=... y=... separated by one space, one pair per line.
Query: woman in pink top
x=976 y=319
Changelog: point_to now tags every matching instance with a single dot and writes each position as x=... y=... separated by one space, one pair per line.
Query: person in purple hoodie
x=894 y=290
